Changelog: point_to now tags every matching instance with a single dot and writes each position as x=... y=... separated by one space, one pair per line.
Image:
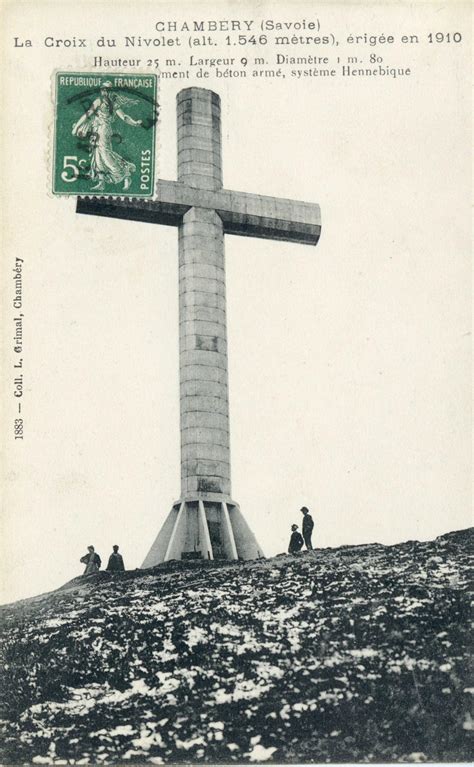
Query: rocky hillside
x=350 y=654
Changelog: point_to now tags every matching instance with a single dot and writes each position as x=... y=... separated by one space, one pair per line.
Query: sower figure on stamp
x=92 y=561
x=308 y=525
x=115 y=564
x=107 y=166
x=296 y=541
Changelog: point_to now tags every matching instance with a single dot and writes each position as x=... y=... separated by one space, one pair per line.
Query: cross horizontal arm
x=245 y=214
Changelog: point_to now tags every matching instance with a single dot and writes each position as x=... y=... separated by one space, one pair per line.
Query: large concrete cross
x=206 y=522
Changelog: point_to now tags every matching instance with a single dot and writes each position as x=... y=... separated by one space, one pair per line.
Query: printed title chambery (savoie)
x=233 y=25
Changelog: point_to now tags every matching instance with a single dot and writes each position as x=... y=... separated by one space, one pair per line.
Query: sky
x=349 y=362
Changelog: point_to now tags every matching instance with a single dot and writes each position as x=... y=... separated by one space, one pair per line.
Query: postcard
x=236 y=348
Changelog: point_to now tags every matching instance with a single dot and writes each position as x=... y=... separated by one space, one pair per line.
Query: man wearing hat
x=115 y=561
x=296 y=541
x=91 y=560
x=308 y=525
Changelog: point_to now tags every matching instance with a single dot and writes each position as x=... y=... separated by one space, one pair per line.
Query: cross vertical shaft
x=205 y=462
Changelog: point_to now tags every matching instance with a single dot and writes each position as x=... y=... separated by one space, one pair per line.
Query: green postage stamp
x=104 y=136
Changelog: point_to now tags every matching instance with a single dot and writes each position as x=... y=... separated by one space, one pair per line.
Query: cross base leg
x=203 y=529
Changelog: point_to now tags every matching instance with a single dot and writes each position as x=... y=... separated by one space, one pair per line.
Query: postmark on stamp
x=104 y=137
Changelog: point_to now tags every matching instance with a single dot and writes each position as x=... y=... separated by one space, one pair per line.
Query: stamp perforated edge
x=51 y=147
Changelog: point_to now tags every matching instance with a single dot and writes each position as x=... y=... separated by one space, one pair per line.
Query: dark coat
x=296 y=542
x=308 y=524
x=91 y=555
x=115 y=563
x=92 y=561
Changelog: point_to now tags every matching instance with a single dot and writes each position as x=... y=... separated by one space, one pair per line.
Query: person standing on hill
x=92 y=561
x=308 y=525
x=115 y=564
x=296 y=541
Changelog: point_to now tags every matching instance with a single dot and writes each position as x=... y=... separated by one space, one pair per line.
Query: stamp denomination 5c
x=104 y=138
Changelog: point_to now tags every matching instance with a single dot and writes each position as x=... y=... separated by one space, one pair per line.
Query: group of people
x=297 y=541
x=92 y=561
